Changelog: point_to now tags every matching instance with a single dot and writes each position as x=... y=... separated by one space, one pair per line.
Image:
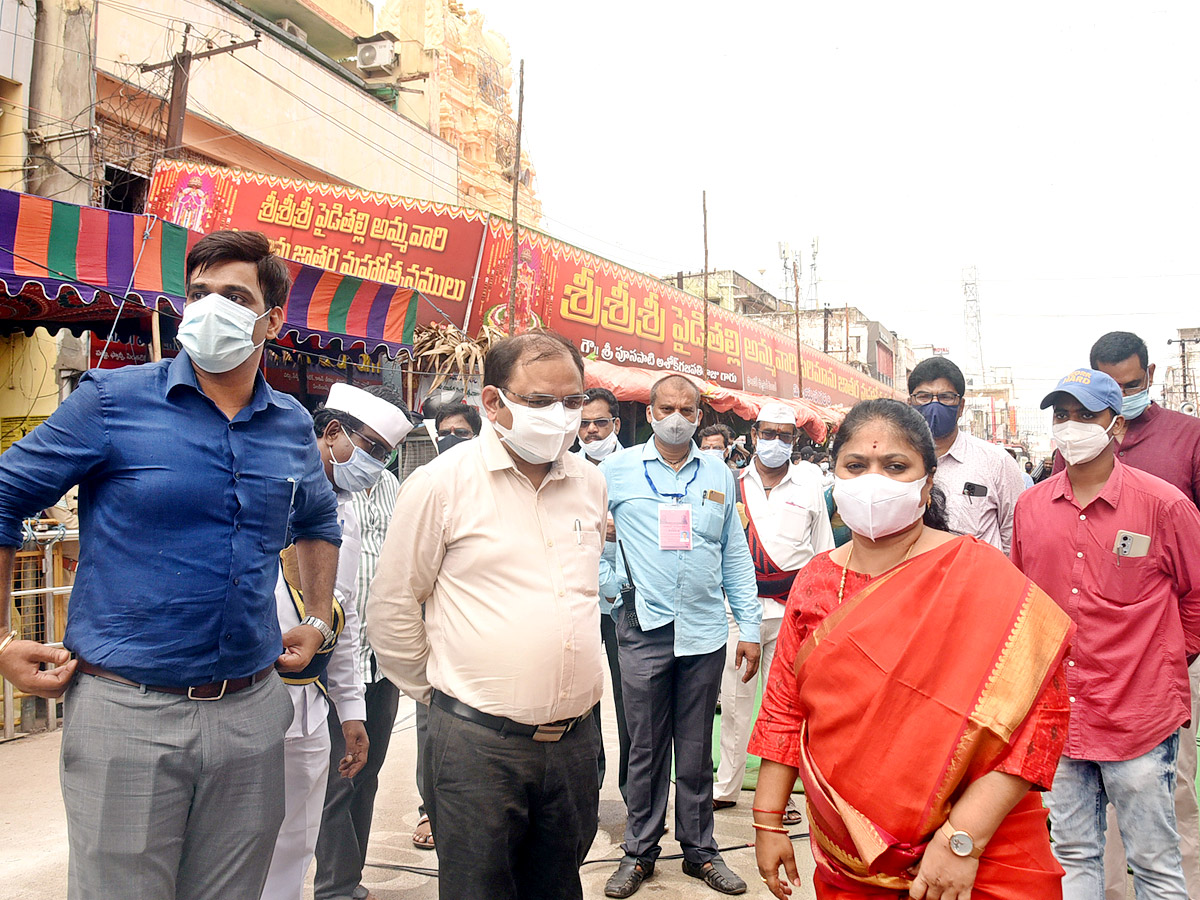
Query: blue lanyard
x=678 y=498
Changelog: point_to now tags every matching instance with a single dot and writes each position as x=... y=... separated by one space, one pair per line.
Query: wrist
x=6 y=640
x=962 y=844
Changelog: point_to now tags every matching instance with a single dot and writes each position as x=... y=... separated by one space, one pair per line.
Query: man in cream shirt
x=501 y=541
x=783 y=508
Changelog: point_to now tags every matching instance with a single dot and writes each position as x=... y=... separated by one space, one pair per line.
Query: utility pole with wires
x=512 y=293
x=181 y=65
x=1183 y=367
x=974 y=330
x=796 y=310
x=704 y=207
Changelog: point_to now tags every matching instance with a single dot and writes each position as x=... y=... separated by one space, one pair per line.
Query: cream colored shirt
x=508 y=575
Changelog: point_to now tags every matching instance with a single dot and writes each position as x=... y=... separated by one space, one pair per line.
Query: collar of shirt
x=1110 y=493
x=751 y=471
x=180 y=374
x=497 y=457
x=1141 y=428
x=958 y=450
x=650 y=451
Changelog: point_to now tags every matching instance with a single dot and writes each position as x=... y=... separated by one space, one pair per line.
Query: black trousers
x=608 y=635
x=669 y=704
x=350 y=802
x=514 y=817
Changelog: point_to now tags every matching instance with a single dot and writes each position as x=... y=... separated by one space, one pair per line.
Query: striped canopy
x=56 y=258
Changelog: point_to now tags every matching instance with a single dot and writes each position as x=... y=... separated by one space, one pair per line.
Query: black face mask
x=446 y=441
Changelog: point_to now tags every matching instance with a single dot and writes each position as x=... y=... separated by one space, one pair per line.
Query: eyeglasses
x=599 y=423
x=541 y=401
x=377 y=450
x=946 y=398
x=770 y=434
x=457 y=432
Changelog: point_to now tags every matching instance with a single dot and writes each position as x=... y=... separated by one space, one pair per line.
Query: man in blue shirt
x=172 y=750
x=680 y=537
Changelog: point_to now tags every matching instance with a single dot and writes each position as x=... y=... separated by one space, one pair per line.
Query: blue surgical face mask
x=942 y=419
x=1135 y=404
x=360 y=472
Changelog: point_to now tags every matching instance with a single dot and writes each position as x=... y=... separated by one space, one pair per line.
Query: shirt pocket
x=709 y=520
x=271 y=507
x=1127 y=581
x=795 y=522
x=579 y=556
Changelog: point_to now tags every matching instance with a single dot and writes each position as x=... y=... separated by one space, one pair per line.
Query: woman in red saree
x=917 y=690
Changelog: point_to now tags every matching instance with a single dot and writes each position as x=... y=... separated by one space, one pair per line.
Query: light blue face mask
x=1135 y=404
x=360 y=472
x=773 y=454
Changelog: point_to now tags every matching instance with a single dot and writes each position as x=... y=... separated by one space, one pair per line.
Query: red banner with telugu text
x=431 y=247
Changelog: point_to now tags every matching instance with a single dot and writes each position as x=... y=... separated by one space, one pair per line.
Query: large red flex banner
x=431 y=247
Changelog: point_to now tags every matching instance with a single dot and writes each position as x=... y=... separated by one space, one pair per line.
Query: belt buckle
x=192 y=696
x=550 y=733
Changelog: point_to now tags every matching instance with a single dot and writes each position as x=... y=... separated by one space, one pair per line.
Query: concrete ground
x=33 y=846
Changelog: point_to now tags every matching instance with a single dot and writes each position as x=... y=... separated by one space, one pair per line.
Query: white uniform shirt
x=792 y=521
x=972 y=460
x=342 y=676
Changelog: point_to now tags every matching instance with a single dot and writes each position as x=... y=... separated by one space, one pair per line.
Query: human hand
x=610 y=529
x=300 y=644
x=772 y=850
x=942 y=874
x=20 y=665
x=355 y=734
x=749 y=651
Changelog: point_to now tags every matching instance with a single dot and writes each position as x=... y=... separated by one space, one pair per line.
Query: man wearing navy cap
x=1119 y=550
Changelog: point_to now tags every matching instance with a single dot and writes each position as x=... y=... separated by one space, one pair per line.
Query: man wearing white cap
x=783 y=510
x=356 y=431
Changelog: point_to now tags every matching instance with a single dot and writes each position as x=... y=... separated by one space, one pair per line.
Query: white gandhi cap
x=777 y=414
x=376 y=413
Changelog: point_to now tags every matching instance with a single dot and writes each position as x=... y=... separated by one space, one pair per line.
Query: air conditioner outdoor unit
x=293 y=29
x=377 y=58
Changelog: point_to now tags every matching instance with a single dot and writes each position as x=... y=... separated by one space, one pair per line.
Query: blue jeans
x=1142 y=790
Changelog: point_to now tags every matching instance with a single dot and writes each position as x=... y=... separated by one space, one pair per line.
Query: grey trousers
x=608 y=635
x=169 y=798
x=513 y=817
x=669 y=701
x=350 y=802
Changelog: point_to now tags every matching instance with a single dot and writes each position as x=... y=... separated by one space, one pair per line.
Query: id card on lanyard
x=674 y=528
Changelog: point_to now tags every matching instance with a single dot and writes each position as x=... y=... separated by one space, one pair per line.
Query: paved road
x=33 y=854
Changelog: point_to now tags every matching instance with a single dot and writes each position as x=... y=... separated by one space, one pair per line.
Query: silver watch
x=327 y=635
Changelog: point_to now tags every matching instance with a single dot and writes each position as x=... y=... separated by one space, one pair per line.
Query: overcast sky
x=1051 y=145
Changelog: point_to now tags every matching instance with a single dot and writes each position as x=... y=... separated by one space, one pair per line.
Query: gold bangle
x=8 y=639
x=775 y=828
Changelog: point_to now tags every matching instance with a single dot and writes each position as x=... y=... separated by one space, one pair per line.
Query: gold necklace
x=846 y=567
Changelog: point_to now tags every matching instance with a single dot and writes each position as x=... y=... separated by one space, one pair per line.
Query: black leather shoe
x=716 y=875
x=629 y=877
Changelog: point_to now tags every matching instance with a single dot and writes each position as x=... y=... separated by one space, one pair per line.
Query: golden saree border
x=839 y=615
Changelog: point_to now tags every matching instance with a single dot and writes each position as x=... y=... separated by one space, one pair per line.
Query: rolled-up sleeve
x=61 y=452
x=404 y=579
x=314 y=506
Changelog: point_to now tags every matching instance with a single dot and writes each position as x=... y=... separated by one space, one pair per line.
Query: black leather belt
x=550 y=732
x=212 y=691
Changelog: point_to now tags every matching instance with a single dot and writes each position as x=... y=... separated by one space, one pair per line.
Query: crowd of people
x=952 y=652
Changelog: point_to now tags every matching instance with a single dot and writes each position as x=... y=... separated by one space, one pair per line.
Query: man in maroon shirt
x=1119 y=550
x=1167 y=444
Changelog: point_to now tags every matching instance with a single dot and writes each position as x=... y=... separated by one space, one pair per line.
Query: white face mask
x=774 y=454
x=717 y=453
x=601 y=448
x=1081 y=442
x=217 y=333
x=540 y=436
x=359 y=473
x=824 y=467
x=674 y=430
x=876 y=506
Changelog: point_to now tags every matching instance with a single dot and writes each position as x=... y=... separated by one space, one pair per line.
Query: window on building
x=124 y=191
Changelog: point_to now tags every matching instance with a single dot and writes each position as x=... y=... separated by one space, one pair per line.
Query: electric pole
x=974 y=335
x=1183 y=363
x=512 y=294
x=704 y=206
x=796 y=309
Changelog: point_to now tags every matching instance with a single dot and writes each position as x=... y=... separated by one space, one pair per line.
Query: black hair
x=720 y=428
x=1118 y=346
x=807 y=453
x=274 y=279
x=470 y=413
x=599 y=393
x=932 y=369
x=672 y=379
x=506 y=354
x=912 y=427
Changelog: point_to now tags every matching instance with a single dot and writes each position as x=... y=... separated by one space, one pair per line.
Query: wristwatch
x=961 y=843
x=327 y=635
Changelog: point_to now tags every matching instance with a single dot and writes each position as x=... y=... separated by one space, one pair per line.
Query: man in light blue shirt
x=681 y=541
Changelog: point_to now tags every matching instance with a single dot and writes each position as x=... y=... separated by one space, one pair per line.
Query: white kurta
x=306 y=745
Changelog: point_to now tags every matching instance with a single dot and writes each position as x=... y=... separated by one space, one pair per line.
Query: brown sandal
x=422 y=838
